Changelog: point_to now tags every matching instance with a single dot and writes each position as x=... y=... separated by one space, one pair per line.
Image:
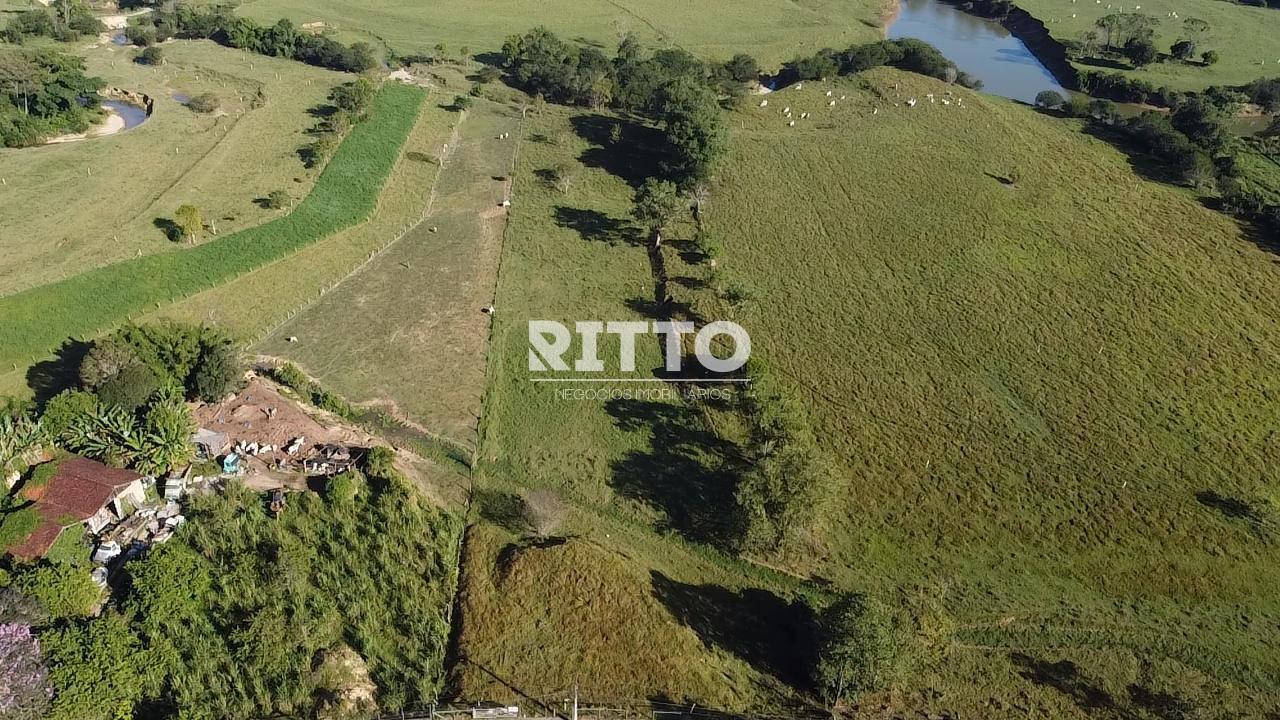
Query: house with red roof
x=79 y=491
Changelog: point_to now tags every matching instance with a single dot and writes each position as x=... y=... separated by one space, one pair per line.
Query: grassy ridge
x=39 y=319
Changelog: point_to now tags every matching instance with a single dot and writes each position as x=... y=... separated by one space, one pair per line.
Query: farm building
x=79 y=491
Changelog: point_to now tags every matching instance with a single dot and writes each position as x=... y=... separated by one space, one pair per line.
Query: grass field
x=38 y=320
x=1023 y=388
x=116 y=187
x=1244 y=37
x=537 y=615
x=417 y=306
x=773 y=30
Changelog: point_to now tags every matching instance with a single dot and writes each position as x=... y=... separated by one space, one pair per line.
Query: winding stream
x=981 y=48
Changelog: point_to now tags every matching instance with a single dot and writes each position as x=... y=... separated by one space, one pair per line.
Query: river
x=132 y=114
x=981 y=48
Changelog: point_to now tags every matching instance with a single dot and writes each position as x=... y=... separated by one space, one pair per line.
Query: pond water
x=981 y=48
x=132 y=114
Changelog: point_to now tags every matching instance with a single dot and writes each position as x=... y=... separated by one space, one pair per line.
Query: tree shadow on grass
x=636 y=155
x=50 y=377
x=1233 y=509
x=773 y=635
x=1140 y=162
x=171 y=231
x=685 y=471
x=1141 y=703
x=595 y=226
x=1065 y=677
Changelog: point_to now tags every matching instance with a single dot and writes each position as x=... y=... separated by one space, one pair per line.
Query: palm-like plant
x=22 y=439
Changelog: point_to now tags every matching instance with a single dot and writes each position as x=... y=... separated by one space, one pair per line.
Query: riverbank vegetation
x=281 y=39
x=44 y=93
x=38 y=320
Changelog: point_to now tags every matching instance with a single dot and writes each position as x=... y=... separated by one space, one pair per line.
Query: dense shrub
x=204 y=103
x=151 y=55
x=316 y=577
x=62 y=591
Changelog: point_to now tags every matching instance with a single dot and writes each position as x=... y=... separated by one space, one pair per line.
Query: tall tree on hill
x=658 y=204
x=694 y=125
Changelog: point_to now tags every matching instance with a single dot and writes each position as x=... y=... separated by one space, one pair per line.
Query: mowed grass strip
x=39 y=319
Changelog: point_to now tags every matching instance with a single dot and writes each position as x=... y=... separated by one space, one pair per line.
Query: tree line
x=63 y=20
x=1194 y=142
x=907 y=54
x=670 y=88
x=221 y=25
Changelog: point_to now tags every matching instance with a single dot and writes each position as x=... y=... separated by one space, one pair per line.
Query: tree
x=543 y=512
x=658 y=203
x=354 y=97
x=130 y=388
x=1141 y=52
x=488 y=74
x=562 y=176
x=190 y=223
x=860 y=648
x=694 y=126
x=1050 y=99
x=461 y=103
x=218 y=373
x=1183 y=50
x=25 y=693
x=105 y=360
x=1209 y=57
x=1196 y=29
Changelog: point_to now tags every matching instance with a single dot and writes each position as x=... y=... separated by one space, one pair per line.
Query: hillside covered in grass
x=1046 y=380
x=1047 y=445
